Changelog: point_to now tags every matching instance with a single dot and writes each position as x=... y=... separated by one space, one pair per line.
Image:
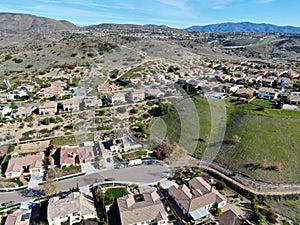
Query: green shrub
x=16 y=60
x=8 y=57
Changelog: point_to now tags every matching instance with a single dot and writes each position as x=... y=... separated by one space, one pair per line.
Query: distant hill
x=13 y=23
x=244 y=27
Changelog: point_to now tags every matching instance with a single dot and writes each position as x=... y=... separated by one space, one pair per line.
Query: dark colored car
x=8 y=203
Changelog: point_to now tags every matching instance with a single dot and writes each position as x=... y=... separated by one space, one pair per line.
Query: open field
x=269 y=138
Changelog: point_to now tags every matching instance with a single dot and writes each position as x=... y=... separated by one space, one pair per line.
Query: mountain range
x=23 y=23
x=244 y=27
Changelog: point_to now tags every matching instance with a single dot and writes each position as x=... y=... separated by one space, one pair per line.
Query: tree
x=257 y=216
x=278 y=166
x=271 y=216
x=264 y=164
x=221 y=185
x=236 y=139
x=206 y=138
x=219 y=212
x=50 y=186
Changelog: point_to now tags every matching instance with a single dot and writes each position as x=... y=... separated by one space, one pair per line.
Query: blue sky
x=174 y=13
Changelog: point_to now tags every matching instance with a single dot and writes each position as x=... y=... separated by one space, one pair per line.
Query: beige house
x=26 y=165
x=137 y=95
x=71 y=209
x=196 y=199
x=245 y=92
x=92 y=102
x=56 y=89
x=19 y=218
x=48 y=108
x=70 y=105
x=294 y=98
x=146 y=210
x=115 y=98
x=23 y=112
x=107 y=87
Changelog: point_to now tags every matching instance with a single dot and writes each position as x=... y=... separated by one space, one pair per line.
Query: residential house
x=294 y=75
x=285 y=82
x=196 y=198
x=26 y=165
x=107 y=87
x=23 y=112
x=118 y=145
x=253 y=79
x=154 y=93
x=137 y=95
x=3 y=97
x=74 y=155
x=294 y=98
x=116 y=98
x=145 y=209
x=245 y=93
x=224 y=77
x=268 y=81
x=19 y=218
x=20 y=92
x=92 y=101
x=228 y=88
x=70 y=105
x=5 y=110
x=56 y=89
x=230 y=217
x=48 y=108
x=267 y=93
x=71 y=209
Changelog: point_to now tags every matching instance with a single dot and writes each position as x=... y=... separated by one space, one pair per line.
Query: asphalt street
x=142 y=174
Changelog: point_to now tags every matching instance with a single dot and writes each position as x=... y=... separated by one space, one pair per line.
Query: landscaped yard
x=116 y=192
x=71 y=140
x=135 y=154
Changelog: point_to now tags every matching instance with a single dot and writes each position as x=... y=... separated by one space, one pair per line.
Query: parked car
x=7 y=203
x=109 y=179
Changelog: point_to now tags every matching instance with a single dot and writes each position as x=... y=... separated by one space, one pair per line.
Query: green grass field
x=264 y=42
x=116 y=192
x=266 y=134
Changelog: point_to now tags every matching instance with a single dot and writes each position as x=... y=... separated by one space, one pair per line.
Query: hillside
x=11 y=23
x=133 y=28
x=244 y=27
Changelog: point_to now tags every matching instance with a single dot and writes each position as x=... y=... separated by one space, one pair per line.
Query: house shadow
x=56 y=157
x=4 y=167
x=259 y=109
x=32 y=193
